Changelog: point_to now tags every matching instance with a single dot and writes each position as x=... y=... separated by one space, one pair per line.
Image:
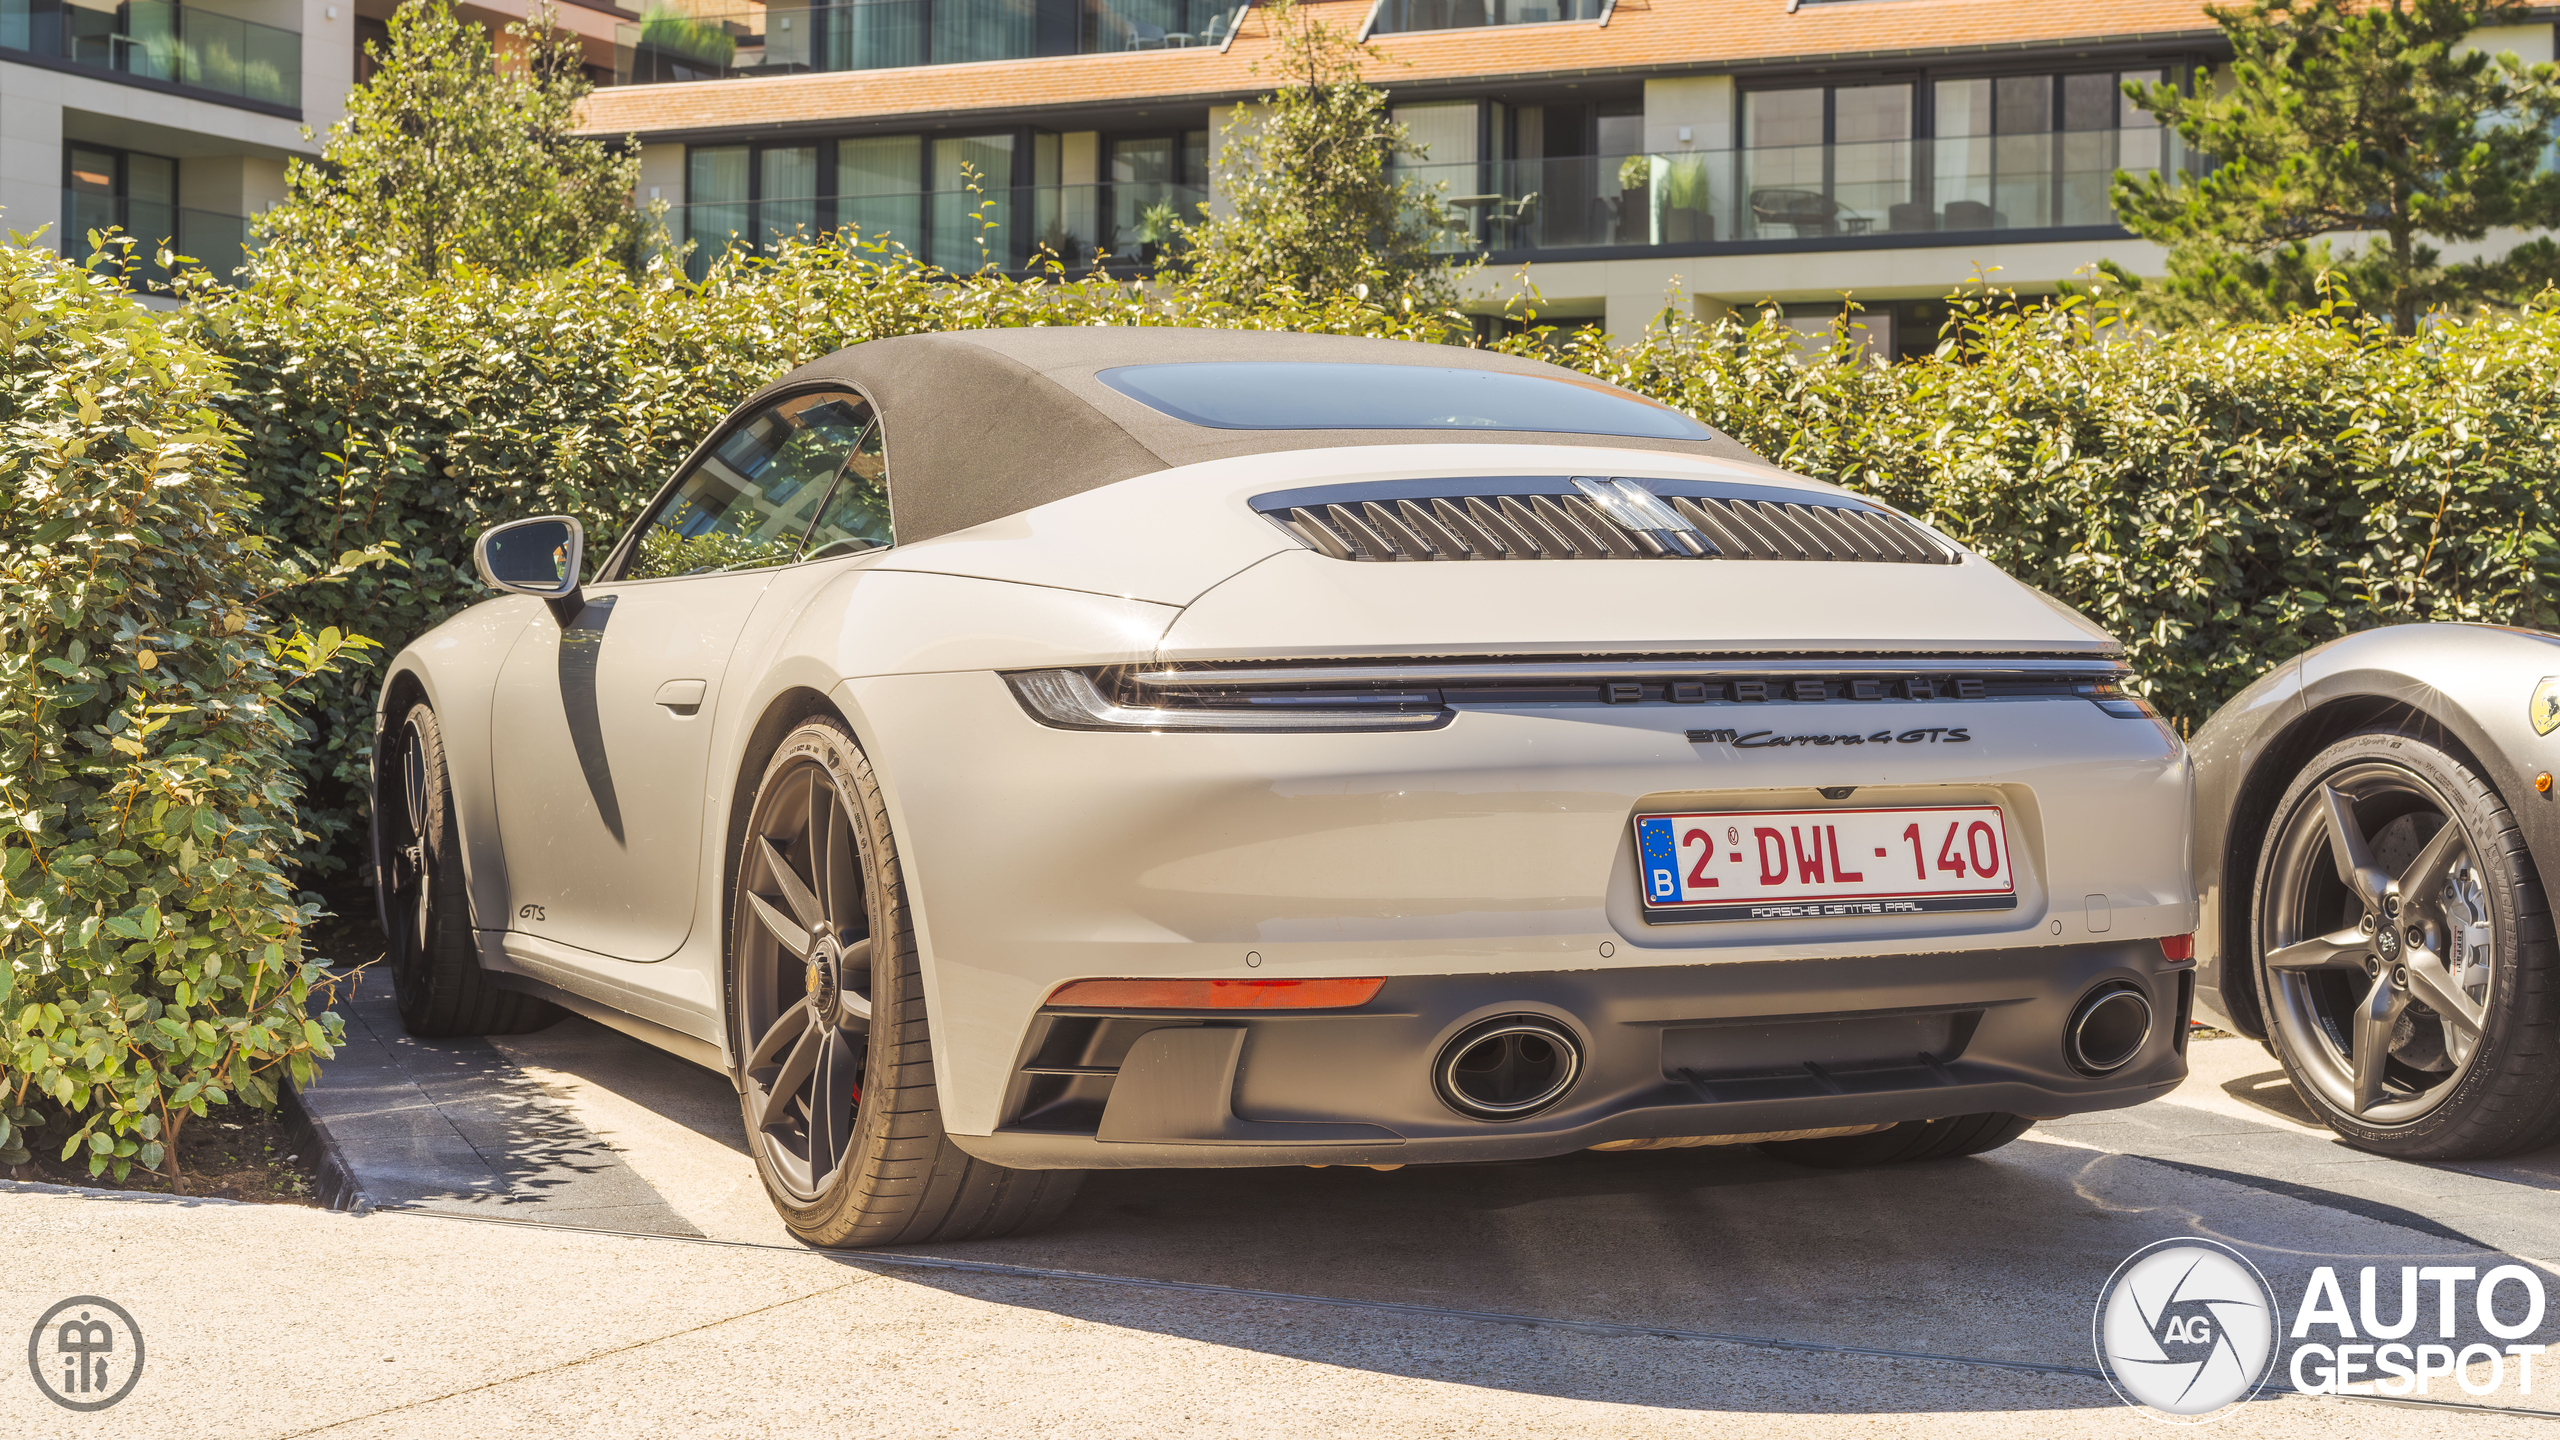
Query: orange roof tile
x=1642 y=36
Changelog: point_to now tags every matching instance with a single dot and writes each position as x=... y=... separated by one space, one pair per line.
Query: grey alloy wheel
x=2404 y=953
x=804 y=977
x=826 y=1005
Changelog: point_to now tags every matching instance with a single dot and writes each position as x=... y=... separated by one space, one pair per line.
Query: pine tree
x=2346 y=117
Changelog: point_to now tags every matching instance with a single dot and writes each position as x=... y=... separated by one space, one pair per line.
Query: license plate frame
x=1951 y=879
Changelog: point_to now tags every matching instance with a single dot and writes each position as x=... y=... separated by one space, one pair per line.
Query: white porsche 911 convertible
x=1014 y=753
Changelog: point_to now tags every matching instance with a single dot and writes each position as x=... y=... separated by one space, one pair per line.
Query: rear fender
x=2471 y=686
x=454 y=669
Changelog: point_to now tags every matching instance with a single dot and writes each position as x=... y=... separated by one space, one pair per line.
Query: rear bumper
x=1670 y=1050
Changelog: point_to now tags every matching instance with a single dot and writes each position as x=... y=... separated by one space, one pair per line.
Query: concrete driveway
x=572 y=1241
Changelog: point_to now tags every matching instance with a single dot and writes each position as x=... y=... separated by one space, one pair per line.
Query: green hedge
x=376 y=406
x=2222 y=499
x=152 y=940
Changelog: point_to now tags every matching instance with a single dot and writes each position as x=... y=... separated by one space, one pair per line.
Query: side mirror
x=539 y=557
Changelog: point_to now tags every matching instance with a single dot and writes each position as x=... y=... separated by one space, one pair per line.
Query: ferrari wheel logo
x=2546 y=705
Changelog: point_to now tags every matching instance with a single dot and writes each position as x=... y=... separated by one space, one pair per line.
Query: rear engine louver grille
x=1572 y=527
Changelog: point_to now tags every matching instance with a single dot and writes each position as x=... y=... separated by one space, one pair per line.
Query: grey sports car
x=2373 y=822
x=1264 y=749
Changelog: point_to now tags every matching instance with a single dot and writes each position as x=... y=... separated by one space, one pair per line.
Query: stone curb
x=338 y=1187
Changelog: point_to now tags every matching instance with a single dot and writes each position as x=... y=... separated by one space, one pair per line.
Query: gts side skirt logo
x=1770 y=739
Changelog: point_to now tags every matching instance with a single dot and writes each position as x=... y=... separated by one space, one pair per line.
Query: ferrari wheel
x=1913 y=1140
x=435 y=962
x=827 y=1005
x=2405 y=957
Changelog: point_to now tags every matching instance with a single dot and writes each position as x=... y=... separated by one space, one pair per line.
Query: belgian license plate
x=1817 y=864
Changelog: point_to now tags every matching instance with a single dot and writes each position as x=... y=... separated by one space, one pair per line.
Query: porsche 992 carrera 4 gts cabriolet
x=1009 y=754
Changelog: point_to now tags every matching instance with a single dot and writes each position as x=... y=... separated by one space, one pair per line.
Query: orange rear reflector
x=1215 y=994
x=2178 y=947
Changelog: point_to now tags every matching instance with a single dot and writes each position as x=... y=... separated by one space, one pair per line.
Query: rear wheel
x=1903 y=1144
x=435 y=962
x=827 y=1008
x=2404 y=955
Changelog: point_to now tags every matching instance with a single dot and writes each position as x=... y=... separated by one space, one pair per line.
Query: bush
x=153 y=942
x=2222 y=498
x=378 y=405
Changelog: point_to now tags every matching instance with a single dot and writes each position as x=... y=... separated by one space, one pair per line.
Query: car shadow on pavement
x=1998 y=1258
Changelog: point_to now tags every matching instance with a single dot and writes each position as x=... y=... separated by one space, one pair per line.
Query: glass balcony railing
x=673 y=43
x=1011 y=228
x=2044 y=181
x=1399 y=16
x=162 y=42
x=221 y=243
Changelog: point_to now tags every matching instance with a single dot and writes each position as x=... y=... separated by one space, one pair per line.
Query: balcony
x=2037 y=186
x=1397 y=17
x=221 y=242
x=158 y=41
x=673 y=45
x=957 y=230
x=1885 y=192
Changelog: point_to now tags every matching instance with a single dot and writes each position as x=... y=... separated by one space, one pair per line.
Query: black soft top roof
x=981 y=424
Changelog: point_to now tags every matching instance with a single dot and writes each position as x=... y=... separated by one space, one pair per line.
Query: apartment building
x=175 y=121
x=1619 y=155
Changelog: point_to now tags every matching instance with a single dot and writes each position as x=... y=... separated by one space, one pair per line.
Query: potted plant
x=1155 y=230
x=672 y=43
x=1635 y=200
x=1684 y=200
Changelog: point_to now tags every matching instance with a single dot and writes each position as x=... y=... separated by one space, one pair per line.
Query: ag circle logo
x=2186 y=1327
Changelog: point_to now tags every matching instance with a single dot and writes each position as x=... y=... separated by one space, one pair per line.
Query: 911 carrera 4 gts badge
x=1767 y=739
x=2546 y=705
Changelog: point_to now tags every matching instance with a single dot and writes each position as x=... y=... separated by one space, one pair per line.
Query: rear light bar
x=1332 y=994
x=1069 y=700
x=2178 y=947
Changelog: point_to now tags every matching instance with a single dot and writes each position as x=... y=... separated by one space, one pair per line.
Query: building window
x=674 y=45
x=2010 y=152
x=2035 y=151
x=1401 y=16
x=1154 y=182
x=880 y=188
x=159 y=40
x=1828 y=160
x=104 y=188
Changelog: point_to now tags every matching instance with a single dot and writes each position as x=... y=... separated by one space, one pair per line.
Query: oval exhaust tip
x=2108 y=1029
x=1507 y=1068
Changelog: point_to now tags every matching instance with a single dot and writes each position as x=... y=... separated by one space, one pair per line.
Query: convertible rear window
x=1296 y=395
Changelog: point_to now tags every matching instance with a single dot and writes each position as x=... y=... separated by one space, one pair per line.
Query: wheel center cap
x=2387 y=940
x=824 y=967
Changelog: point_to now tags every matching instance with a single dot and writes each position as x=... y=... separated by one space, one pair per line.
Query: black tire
x=824 y=986
x=2416 y=1010
x=435 y=961
x=1908 y=1143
